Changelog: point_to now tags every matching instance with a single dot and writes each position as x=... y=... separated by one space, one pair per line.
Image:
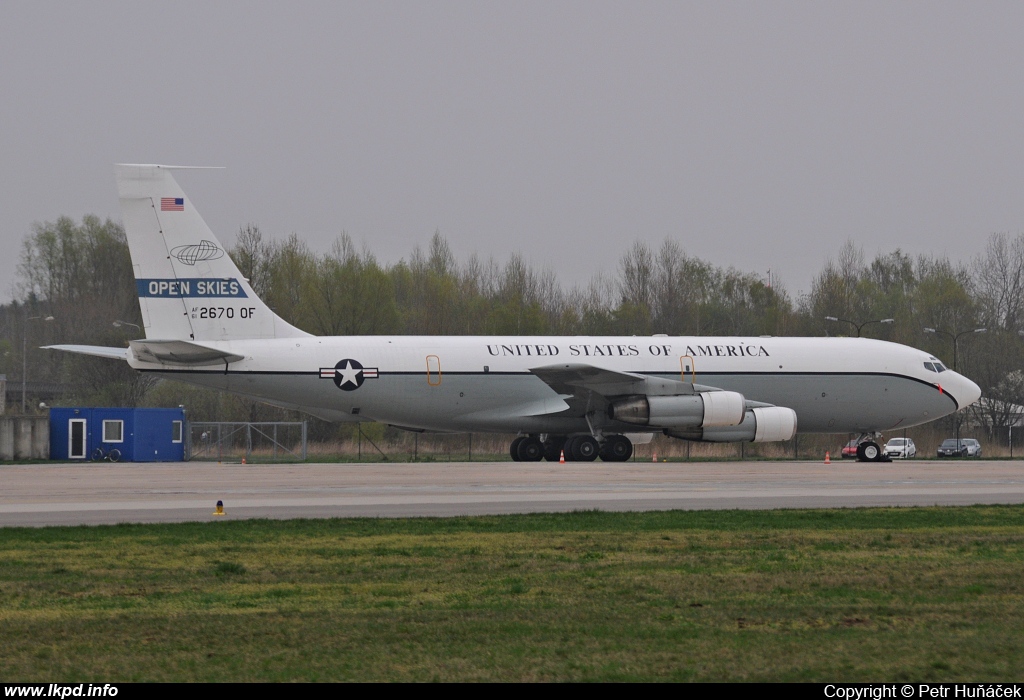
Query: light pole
x=24 y=355
x=858 y=326
x=956 y=337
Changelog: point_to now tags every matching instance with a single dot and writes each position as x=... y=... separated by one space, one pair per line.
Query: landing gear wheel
x=530 y=450
x=513 y=449
x=584 y=448
x=553 y=449
x=869 y=452
x=617 y=448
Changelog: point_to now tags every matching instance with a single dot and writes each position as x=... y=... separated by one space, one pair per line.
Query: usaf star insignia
x=348 y=375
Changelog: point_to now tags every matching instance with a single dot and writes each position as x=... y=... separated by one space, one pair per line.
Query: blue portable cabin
x=118 y=434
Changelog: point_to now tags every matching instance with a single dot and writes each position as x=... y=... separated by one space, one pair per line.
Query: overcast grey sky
x=758 y=134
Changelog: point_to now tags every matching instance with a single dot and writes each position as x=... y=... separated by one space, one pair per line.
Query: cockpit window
x=934 y=367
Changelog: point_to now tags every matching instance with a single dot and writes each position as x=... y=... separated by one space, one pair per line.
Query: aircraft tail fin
x=188 y=286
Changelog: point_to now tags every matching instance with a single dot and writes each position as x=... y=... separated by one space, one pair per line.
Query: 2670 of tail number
x=223 y=312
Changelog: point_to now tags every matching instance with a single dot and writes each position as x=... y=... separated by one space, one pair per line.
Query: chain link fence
x=272 y=441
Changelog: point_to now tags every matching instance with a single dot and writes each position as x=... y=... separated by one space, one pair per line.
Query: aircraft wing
x=656 y=403
x=577 y=378
x=585 y=388
x=503 y=415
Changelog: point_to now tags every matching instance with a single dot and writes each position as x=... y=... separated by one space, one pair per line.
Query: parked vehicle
x=849 y=450
x=900 y=448
x=966 y=447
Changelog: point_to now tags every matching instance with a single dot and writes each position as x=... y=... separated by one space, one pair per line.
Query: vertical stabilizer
x=188 y=286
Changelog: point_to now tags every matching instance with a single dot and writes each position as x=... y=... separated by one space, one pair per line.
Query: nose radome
x=968 y=391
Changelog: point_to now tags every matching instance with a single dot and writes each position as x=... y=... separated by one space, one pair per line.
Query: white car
x=900 y=448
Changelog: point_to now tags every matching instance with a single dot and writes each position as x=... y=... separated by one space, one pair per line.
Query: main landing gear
x=577 y=448
x=869 y=451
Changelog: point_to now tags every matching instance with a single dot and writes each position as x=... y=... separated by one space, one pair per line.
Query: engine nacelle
x=705 y=409
x=770 y=424
x=774 y=424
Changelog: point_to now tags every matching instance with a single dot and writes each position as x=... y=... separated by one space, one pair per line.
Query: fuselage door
x=687 y=371
x=76 y=438
x=433 y=370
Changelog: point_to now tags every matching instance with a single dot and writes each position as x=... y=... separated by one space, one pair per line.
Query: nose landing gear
x=869 y=451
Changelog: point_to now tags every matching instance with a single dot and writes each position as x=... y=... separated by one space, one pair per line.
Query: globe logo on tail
x=197 y=252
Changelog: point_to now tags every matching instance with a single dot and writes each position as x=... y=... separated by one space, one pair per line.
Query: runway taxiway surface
x=75 y=494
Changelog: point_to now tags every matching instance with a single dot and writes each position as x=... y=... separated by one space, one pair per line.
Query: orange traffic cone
x=561 y=456
x=827 y=460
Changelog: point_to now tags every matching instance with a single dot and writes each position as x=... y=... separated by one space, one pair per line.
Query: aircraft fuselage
x=481 y=383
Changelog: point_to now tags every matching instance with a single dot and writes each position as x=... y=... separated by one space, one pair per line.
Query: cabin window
x=113 y=431
x=176 y=431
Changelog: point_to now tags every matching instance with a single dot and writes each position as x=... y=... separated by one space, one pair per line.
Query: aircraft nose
x=967 y=391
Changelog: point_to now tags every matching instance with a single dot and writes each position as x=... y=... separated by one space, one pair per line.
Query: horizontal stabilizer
x=95 y=350
x=180 y=352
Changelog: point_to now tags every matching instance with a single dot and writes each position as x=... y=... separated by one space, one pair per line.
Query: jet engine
x=704 y=409
x=769 y=424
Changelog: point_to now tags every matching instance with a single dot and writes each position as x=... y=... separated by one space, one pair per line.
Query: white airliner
x=588 y=396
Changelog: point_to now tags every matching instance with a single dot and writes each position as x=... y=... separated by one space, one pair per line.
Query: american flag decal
x=172 y=204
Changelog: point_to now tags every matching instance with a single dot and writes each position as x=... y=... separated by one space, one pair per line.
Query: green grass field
x=826 y=595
